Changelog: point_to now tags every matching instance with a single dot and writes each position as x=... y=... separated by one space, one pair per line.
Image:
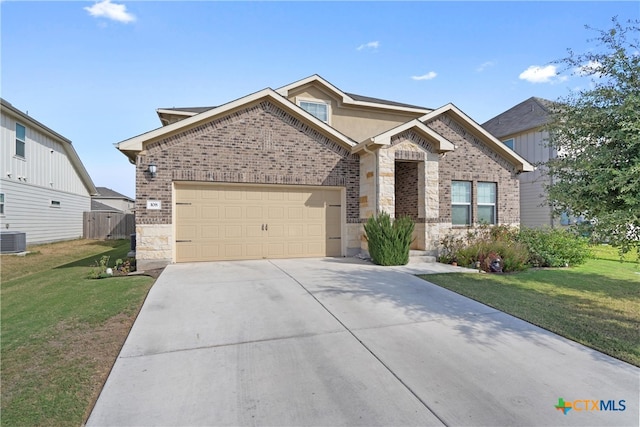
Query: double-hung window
x=319 y=110
x=487 y=202
x=461 y=203
x=21 y=140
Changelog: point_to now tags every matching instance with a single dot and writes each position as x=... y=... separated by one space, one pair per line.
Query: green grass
x=596 y=304
x=61 y=331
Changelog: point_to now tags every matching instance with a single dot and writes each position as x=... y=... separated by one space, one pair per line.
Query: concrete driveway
x=343 y=342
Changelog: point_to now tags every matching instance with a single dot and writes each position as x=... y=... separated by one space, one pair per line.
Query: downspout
x=375 y=175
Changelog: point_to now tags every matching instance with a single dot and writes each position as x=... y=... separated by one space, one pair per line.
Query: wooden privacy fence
x=108 y=225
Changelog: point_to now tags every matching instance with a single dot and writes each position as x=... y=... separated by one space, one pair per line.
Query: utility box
x=13 y=241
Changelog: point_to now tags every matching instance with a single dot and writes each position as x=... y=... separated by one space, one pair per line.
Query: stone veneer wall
x=260 y=143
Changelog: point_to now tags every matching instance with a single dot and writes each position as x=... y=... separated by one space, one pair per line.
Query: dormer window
x=319 y=110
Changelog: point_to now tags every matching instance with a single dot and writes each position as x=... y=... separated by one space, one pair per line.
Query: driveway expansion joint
x=231 y=344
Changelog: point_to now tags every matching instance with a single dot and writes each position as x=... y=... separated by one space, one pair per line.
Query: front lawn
x=61 y=331
x=596 y=304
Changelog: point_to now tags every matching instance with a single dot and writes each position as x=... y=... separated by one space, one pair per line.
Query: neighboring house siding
x=44 y=175
x=535 y=210
x=473 y=161
x=524 y=124
x=28 y=208
x=45 y=164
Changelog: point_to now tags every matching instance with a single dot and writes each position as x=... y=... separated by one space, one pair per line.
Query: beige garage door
x=233 y=222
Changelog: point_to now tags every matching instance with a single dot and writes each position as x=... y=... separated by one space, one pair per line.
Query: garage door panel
x=233 y=231
x=315 y=230
x=275 y=231
x=275 y=213
x=254 y=231
x=209 y=231
x=226 y=222
x=232 y=212
x=254 y=212
x=295 y=213
x=186 y=232
x=295 y=231
x=210 y=212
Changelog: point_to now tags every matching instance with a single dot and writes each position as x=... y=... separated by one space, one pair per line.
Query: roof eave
x=131 y=147
x=345 y=98
x=520 y=163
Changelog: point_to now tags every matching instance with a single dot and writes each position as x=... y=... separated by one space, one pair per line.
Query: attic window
x=508 y=143
x=319 y=110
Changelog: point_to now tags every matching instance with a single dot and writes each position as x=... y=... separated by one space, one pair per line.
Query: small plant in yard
x=99 y=271
x=121 y=267
x=389 y=241
x=124 y=267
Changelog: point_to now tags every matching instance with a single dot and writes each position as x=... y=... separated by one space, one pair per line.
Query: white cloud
x=430 y=75
x=485 y=65
x=106 y=9
x=370 y=45
x=589 y=69
x=538 y=74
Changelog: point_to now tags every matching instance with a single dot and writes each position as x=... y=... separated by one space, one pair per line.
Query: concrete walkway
x=343 y=342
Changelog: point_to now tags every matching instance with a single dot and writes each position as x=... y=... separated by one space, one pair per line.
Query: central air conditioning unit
x=13 y=241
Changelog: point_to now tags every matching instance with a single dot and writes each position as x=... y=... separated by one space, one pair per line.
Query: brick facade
x=260 y=143
x=473 y=161
x=407 y=189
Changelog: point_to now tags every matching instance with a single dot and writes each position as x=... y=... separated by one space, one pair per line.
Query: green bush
x=552 y=247
x=389 y=241
x=484 y=244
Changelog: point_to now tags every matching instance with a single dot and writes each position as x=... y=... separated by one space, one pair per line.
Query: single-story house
x=113 y=200
x=44 y=187
x=296 y=171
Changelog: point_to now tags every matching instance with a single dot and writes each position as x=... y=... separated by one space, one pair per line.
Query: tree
x=596 y=132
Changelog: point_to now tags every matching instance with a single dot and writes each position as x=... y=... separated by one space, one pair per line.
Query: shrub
x=484 y=244
x=552 y=247
x=389 y=241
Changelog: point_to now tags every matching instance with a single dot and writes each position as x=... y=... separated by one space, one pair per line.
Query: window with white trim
x=21 y=140
x=319 y=110
x=1 y=203
x=461 y=202
x=487 y=202
x=509 y=143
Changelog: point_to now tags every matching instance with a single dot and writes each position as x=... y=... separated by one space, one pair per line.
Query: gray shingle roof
x=97 y=206
x=107 y=193
x=362 y=98
x=196 y=110
x=383 y=101
x=529 y=114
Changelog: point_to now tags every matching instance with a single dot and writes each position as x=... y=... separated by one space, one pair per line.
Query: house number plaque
x=154 y=204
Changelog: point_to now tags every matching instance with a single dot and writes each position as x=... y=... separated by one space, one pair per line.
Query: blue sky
x=96 y=71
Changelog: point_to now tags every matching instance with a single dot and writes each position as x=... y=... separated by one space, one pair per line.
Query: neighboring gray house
x=107 y=199
x=44 y=187
x=521 y=128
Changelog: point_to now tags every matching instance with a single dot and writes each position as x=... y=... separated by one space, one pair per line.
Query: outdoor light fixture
x=153 y=169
